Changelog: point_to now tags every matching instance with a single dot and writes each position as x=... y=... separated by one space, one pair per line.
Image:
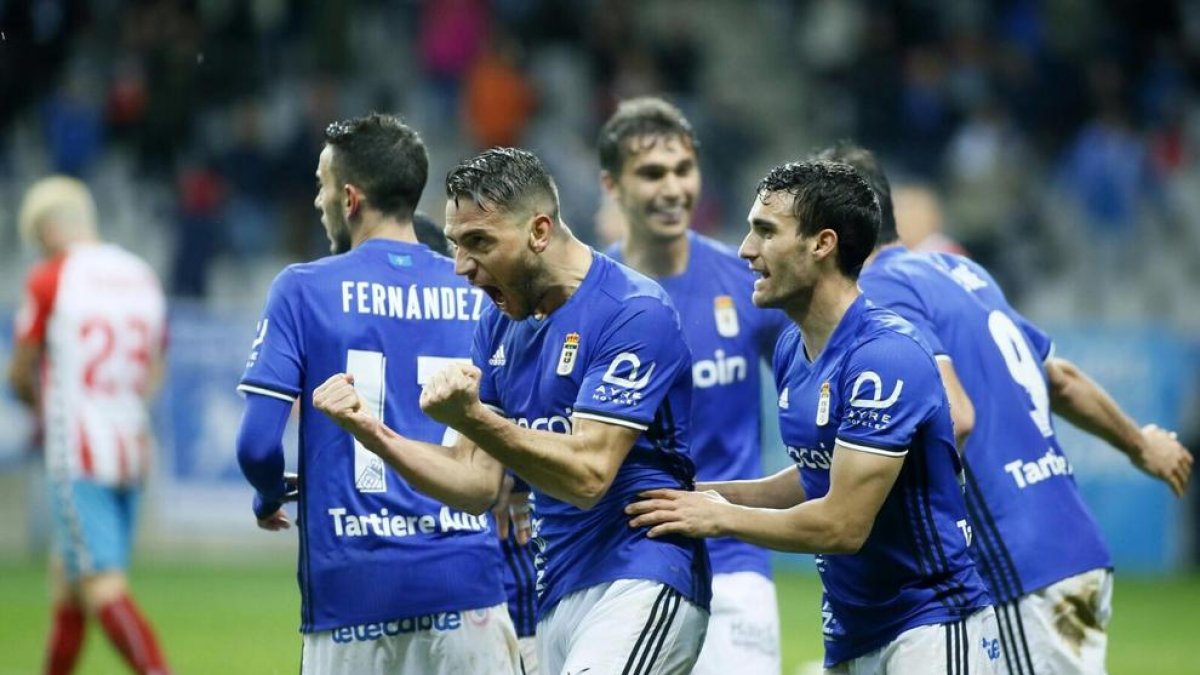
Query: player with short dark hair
x=865 y=420
x=88 y=354
x=581 y=385
x=391 y=580
x=1053 y=592
x=650 y=168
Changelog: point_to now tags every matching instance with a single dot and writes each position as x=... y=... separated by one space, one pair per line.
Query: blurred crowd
x=1057 y=141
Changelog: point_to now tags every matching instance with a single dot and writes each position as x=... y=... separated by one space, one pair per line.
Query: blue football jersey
x=372 y=549
x=614 y=352
x=520 y=575
x=728 y=337
x=1031 y=524
x=875 y=388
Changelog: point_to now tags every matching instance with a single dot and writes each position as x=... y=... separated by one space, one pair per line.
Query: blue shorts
x=93 y=526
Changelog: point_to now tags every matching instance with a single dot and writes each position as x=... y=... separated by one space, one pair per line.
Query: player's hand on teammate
x=338 y=399
x=1165 y=458
x=512 y=510
x=665 y=512
x=450 y=394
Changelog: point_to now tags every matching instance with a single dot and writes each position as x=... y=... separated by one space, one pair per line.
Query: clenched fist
x=338 y=399
x=451 y=393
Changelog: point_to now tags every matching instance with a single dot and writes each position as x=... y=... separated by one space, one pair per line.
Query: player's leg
x=471 y=641
x=743 y=631
x=626 y=626
x=1062 y=628
x=970 y=646
x=68 y=625
x=105 y=518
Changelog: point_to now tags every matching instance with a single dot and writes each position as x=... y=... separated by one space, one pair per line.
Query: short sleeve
x=1039 y=341
x=888 y=389
x=902 y=297
x=485 y=358
x=631 y=371
x=37 y=302
x=276 y=364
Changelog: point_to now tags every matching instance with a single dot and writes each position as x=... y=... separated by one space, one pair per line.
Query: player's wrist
x=265 y=507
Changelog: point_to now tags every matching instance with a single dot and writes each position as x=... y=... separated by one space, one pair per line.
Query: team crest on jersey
x=823 y=405
x=566 y=358
x=725 y=313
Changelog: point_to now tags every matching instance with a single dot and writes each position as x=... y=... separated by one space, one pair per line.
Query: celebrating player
x=649 y=166
x=390 y=579
x=581 y=385
x=1053 y=591
x=865 y=419
x=94 y=320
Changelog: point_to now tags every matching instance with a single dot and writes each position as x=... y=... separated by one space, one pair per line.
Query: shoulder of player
x=885 y=333
x=788 y=344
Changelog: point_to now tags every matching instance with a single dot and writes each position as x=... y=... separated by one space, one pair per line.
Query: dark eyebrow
x=765 y=224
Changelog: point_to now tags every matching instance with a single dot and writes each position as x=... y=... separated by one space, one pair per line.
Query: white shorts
x=743 y=632
x=529 y=656
x=628 y=626
x=1062 y=628
x=967 y=647
x=446 y=643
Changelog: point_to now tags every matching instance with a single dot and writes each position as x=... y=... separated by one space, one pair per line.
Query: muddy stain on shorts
x=1075 y=615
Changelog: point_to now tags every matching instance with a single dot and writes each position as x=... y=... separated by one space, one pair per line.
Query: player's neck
x=562 y=275
x=656 y=257
x=830 y=300
x=386 y=228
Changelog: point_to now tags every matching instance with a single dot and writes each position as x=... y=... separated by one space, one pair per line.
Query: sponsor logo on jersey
x=566 y=358
x=726 y=316
x=719 y=370
x=497 y=358
x=385 y=524
x=812 y=458
x=260 y=335
x=823 y=405
x=1031 y=473
x=369 y=632
x=858 y=400
x=559 y=424
x=623 y=381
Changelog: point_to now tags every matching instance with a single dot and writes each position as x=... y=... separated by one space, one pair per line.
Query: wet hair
x=503 y=179
x=834 y=196
x=430 y=233
x=848 y=152
x=649 y=118
x=384 y=158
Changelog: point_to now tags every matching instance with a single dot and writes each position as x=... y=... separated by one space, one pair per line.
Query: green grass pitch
x=242 y=619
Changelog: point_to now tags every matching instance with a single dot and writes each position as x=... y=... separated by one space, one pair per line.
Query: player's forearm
x=551 y=462
x=1084 y=403
x=779 y=491
x=260 y=445
x=810 y=527
x=440 y=472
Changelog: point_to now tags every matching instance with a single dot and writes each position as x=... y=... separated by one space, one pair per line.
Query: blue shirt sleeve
x=889 y=387
x=1039 y=340
x=639 y=358
x=901 y=296
x=276 y=364
x=260 y=450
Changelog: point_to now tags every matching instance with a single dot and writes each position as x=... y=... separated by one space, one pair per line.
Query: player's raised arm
x=460 y=475
x=1085 y=404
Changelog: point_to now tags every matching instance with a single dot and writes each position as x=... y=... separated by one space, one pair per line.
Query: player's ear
x=352 y=200
x=824 y=244
x=609 y=183
x=541 y=231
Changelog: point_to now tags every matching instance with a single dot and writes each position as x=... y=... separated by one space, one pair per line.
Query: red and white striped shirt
x=100 y=314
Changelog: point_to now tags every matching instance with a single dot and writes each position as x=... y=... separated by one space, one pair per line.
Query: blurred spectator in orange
x=498 y=100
